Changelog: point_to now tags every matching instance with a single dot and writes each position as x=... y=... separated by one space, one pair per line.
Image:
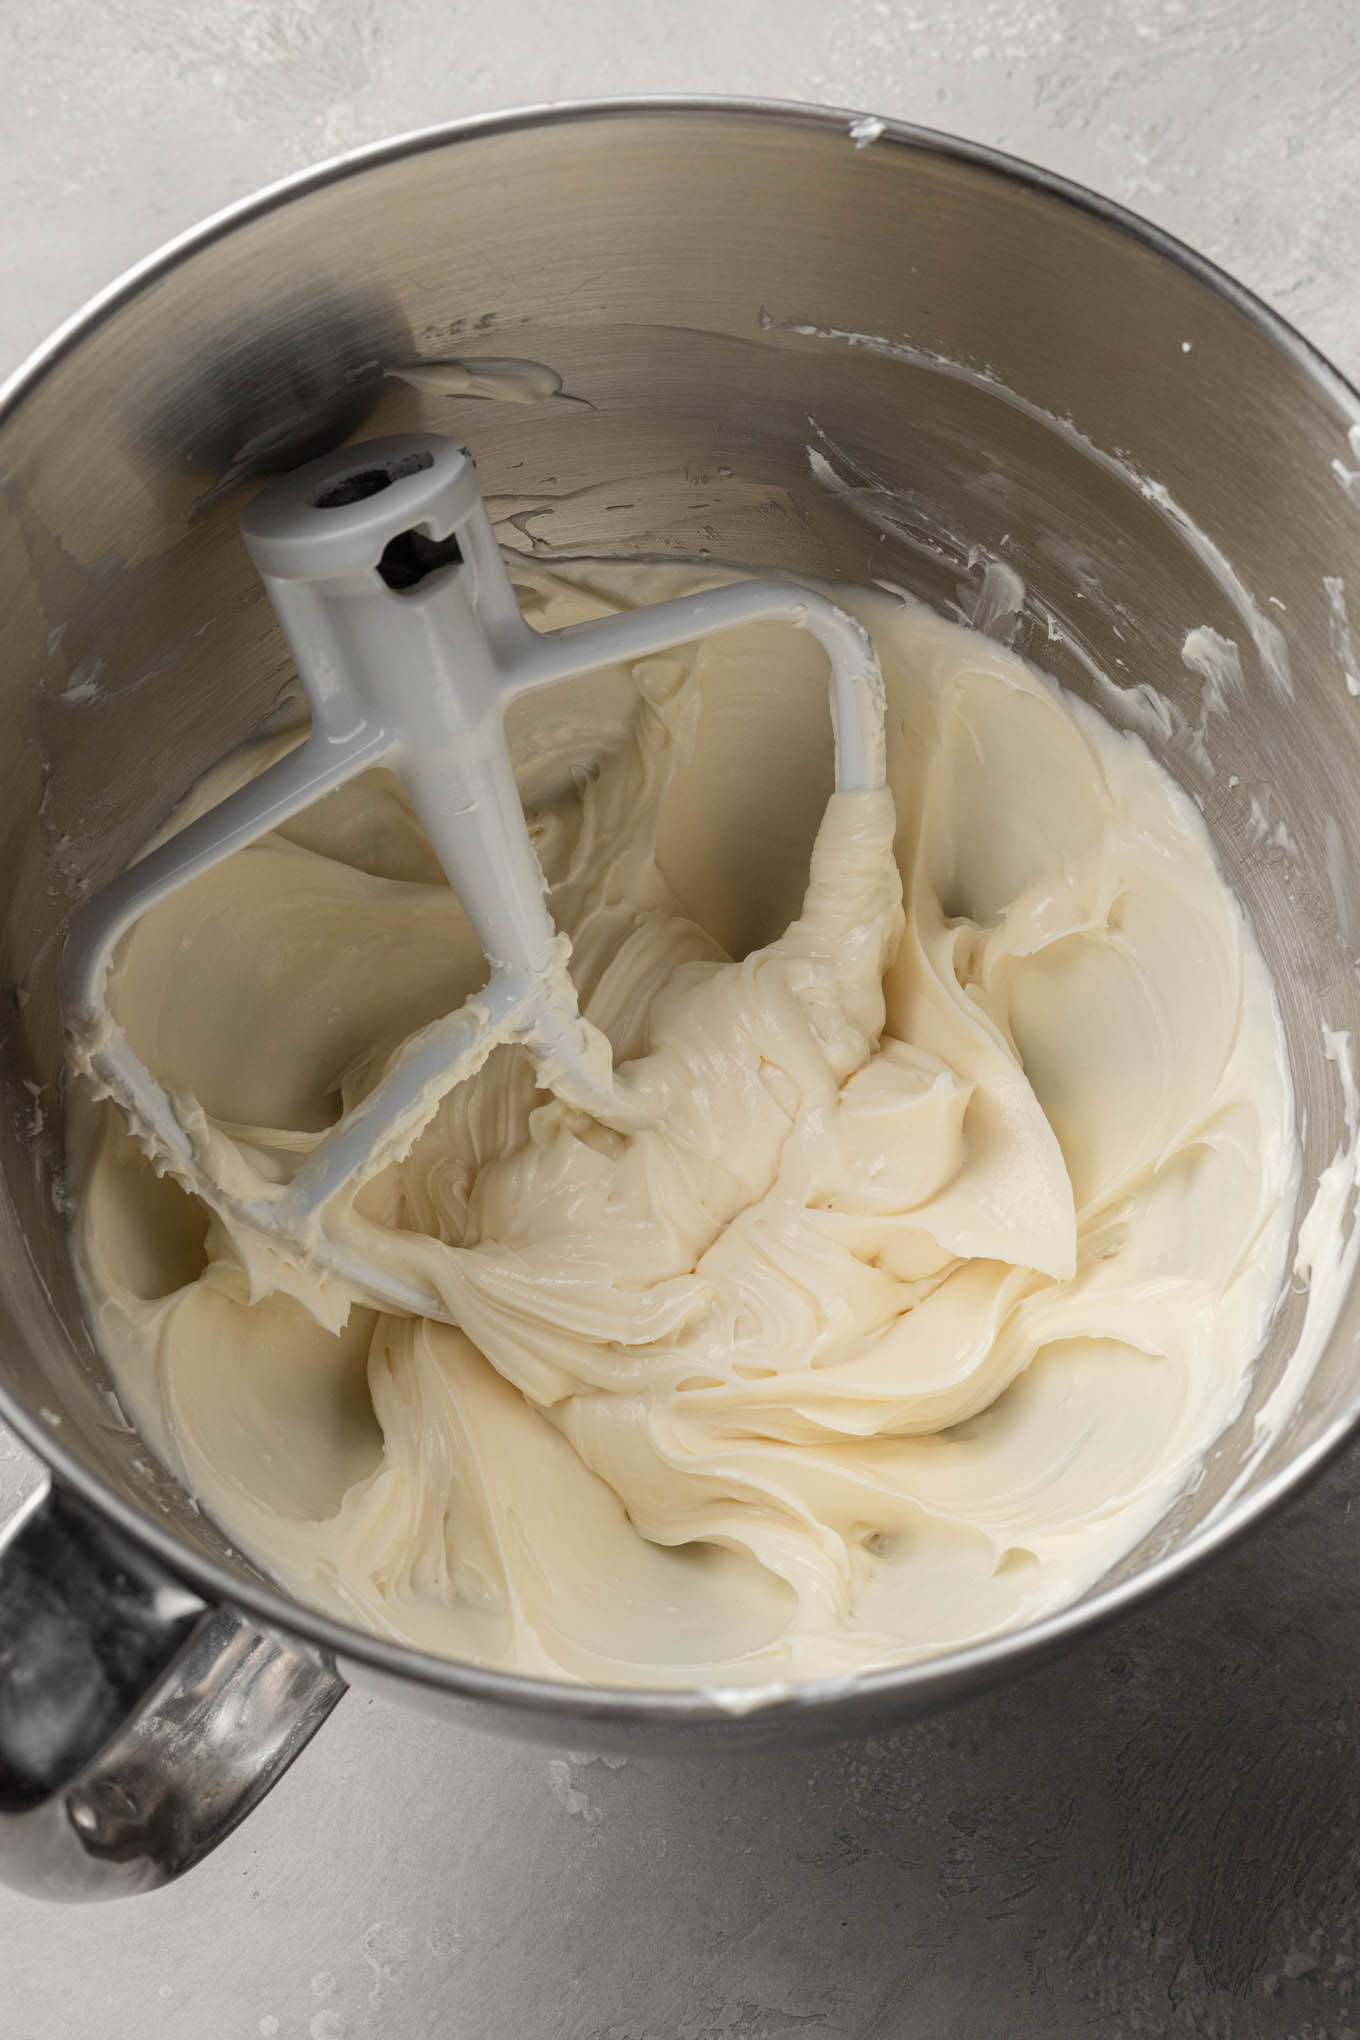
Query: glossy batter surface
x=958 y=1223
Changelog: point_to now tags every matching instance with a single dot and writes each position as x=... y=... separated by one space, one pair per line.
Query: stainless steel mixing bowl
x=902 y=359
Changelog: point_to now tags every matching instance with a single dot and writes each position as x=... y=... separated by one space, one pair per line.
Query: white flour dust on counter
x=958 y=1220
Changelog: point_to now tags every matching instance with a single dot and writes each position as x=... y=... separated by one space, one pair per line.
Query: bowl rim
x=923 y=1683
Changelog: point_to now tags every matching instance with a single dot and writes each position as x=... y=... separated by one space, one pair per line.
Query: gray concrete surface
x=1157 y=1836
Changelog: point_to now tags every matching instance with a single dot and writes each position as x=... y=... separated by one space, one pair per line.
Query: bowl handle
x=137 y=1724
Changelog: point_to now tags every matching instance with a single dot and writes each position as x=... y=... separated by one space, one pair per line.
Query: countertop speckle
x=1156 y=1836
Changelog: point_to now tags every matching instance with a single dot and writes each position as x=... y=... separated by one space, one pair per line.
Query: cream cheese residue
x=962 y=1212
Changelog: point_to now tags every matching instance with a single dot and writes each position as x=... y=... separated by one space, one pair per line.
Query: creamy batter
x=958 y=1221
